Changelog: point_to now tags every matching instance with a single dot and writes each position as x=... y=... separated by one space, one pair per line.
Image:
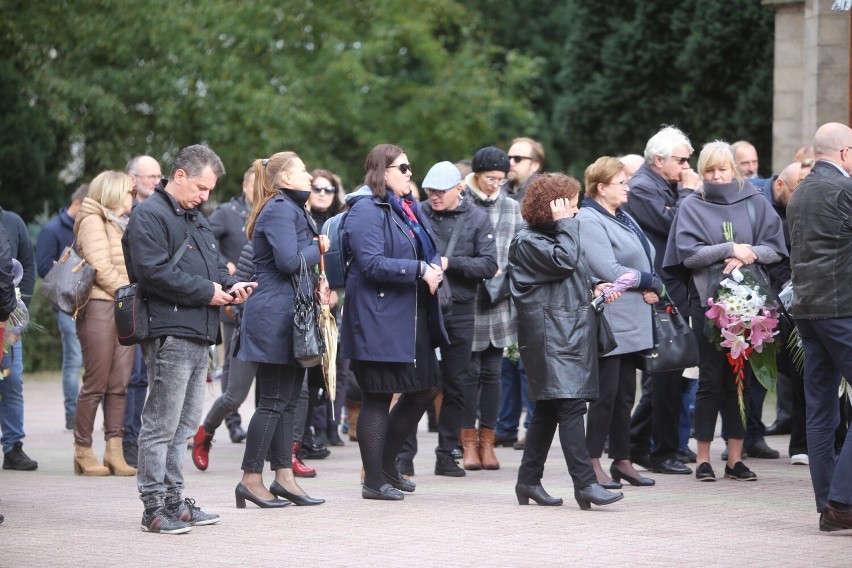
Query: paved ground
x=54 y=518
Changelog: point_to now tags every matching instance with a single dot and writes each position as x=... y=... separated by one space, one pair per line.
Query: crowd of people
x=502 y=291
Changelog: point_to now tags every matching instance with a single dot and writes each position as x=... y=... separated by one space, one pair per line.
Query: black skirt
x=383 y=377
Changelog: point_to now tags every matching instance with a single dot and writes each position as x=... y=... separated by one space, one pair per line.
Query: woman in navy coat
x=283 y=235
x=392 y=320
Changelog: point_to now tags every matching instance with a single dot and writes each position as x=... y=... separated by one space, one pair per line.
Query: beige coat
x=98 y=234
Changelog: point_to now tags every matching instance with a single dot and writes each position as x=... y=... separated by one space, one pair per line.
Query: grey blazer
x=612 y=249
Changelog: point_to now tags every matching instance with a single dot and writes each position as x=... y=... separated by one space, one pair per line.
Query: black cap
x=490 y=159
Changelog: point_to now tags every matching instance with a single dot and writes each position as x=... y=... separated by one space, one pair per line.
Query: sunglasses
x=679 y=160
x=328 y=190
x=404 y=168
x=519 y=159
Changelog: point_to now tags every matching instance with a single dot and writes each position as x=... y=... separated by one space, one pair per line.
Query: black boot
x=17 y=459
x=524 y=492
x=596 y=494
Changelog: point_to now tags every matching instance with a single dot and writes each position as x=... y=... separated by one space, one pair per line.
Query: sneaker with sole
x=799 y=459
x=162 y=520
x=740 y=472
x=704 y=472
x=188 y=512
x=446 y=465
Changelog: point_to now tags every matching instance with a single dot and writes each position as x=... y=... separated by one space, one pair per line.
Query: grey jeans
x=177 y=374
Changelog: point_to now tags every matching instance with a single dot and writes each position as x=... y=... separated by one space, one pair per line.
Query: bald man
x=745 y=156
x=632 y=162
x=821 y=237
x=146 y=174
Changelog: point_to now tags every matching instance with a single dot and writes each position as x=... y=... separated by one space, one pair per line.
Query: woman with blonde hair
x=99 y=227
x=283 y=236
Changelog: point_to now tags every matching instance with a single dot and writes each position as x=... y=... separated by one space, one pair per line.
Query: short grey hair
x=194 y=159
x=663 y=142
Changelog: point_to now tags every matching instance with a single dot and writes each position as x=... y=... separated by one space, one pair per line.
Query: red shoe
x=201 y=448
x=299 y=467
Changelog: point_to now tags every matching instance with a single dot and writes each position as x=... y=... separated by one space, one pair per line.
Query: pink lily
x=716 y=312
x=736 y=343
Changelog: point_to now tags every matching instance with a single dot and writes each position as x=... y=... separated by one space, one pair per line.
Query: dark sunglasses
x=519 y=159
x=329 y=190
x=404 y=168
x=681 y=161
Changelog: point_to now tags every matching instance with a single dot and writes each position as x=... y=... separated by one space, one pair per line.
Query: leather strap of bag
x=451 y=246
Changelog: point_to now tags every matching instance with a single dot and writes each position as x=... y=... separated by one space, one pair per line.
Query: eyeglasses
x=404 y=168
x=679 y=160
x=519 y=159
x=328 y=190
x=622 y=184
x=152 y=177
x=493 y=180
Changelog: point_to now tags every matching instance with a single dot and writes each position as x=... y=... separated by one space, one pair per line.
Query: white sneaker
x=799 y=459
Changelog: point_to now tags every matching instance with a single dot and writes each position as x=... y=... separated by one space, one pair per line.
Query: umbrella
x=328 y=327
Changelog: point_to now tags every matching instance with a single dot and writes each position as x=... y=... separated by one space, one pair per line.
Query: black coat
x=557 y=328
x=8 y=299
x=229 y=225
x=178 y=298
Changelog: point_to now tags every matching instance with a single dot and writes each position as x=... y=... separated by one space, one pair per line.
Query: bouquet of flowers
x=740 y=320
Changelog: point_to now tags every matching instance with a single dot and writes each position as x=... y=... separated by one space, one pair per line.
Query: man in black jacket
x=172 y=254
x=465 y=239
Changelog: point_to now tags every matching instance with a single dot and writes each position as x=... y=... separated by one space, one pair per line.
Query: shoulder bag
x=69 y=283
x=676 y=346
x=308 y=345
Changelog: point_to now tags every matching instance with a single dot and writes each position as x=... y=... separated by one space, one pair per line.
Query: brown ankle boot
x=85 y=462
x=114 y=458
x=486 y=449
x=353 y=409
x=470 y=445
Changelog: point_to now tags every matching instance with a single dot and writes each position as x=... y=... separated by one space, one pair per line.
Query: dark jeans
x=482 y=391
x=271 y=426
x=828 y=356
x=567 y=413
x=514 y=397
x=455 y=366
x=137 y=388
x=657 y=417
x=609 y=415
x=229 y=328
x=240 y=378
x=717 y=391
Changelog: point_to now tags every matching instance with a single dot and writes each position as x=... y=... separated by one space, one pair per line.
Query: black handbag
x=308 y=345
x=69 y=282
x=606 y=338
x=676 y=346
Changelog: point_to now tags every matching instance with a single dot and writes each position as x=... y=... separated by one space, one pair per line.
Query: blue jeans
x=72 y=361
x=514 y=396
x=171 y=415
x=137 y=388
x=12 y=398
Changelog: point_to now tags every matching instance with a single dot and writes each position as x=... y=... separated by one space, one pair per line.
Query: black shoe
x=405 y=467
x=457 y=453
x=311 y=451
x=724 y=455
x=686 y=456
x=163 y=521
x=596 y=494
x=611 y=484
x=524 y=492
x=384 y=493
x=301 y=500
x=740 y=472
x=131 y=453
x=334 y=437
x=238 y=435
x=69 y=421
x=781 y=428
x=704 y=472
x=242 y=495
x=642 y=461
x=446 y=465
x=17 y=459
x=638 y=481
x=670 y=466
x=399 y=483
x=504 y=441
x=520 y=444
x=188 y=512
x=321 y=438
x=761 y=450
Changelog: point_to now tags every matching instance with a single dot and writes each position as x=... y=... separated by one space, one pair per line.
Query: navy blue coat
x=380 y=309
x=57 y=234
x=282 y=230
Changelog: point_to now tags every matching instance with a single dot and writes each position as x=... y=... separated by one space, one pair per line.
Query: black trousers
x=455 y=367
x=609 y=415
x=567 y=413
x=657 y=415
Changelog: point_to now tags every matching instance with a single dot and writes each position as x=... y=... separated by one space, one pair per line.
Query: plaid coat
x=497 y=325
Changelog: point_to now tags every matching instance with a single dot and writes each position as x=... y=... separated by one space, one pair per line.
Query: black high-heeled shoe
x=398 y=482
x=596 y=494
x=300 y=500
x=242 y=495
x=637 y=481
x=611 y=484
x=525 y=491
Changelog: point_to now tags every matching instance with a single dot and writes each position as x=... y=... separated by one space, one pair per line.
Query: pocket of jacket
x=565 y=332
